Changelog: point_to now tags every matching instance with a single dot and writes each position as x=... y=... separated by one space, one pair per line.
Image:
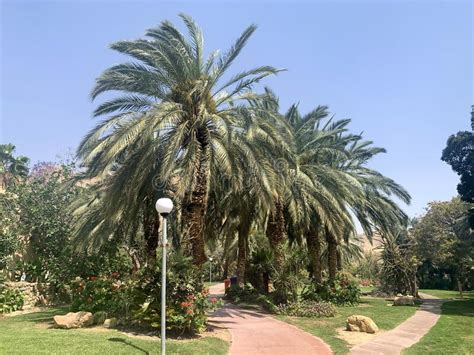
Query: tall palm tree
x=172 y=123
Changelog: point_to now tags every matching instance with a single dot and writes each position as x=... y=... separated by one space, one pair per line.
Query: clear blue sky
x=402 y=70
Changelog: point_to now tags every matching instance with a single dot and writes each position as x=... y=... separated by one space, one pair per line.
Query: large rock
x=74 y=320
x=364 y=324
x=403 y=301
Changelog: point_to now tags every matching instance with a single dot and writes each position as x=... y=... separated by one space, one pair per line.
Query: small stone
x=404 y=301
x=110 y=323
x=100 y=317
x=74 y=320
x=357 y=323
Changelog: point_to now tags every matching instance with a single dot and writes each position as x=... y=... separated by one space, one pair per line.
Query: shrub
x=103 y=294
x=307 y=308
x=139 y=299
x=368 y=267
x=344 y=291
x=10 y=300
x=242 y=294
x=291 y=277
x=248 y=294
x=100 y=317
x=187 y=300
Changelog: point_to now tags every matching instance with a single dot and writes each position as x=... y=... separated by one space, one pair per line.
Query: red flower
x=93 y=278
x=191 y=297
x=185 y=304
x=115 y=274
x=214 y=300
x=189 y=312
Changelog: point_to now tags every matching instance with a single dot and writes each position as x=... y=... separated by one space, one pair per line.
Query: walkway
x=257 y=333
x=406 y=334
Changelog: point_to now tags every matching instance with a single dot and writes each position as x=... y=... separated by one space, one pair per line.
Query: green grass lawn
x=386 y=317
x=366 y=289
x=447 y=294
x=454 y=331
x=30 y=334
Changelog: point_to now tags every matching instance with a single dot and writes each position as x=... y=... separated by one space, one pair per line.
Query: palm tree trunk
x=225 y=269
x=276 y=234
x=151 y=226
x=227 y=242
x=332 y=256
x=194 y=214
x=314 y=252
x=339 y=260
x=243 y=234
x=266 y=282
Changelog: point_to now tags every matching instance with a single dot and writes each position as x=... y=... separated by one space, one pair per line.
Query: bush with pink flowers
x=138 y=298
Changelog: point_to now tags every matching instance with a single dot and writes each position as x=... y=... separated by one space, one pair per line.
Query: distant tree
x=11 y=168
x=459 y=153
x=444 y=241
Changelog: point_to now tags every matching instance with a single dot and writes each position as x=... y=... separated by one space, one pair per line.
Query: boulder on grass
x=364 y=324
x=74 y=320
x=404 y=301
x=110 y=323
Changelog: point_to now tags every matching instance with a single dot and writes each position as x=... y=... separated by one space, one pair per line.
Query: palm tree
x=11 y=168
x=316 y=207
x=309 y=186
x=172 y=124
x=245 y=198
x=326 y=182
x=369 y=201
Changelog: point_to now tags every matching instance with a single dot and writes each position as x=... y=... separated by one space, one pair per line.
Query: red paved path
x=257 y=333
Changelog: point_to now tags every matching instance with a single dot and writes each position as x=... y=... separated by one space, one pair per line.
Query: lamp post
x=210 y=271
x=163 y=207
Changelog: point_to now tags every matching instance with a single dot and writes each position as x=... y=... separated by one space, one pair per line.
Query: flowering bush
x=187 y=301
x=307 y=308
x=103 y=294
x=344 y=291
x=139 y=300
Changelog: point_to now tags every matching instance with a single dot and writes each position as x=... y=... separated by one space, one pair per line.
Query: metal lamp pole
x=164 y=207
